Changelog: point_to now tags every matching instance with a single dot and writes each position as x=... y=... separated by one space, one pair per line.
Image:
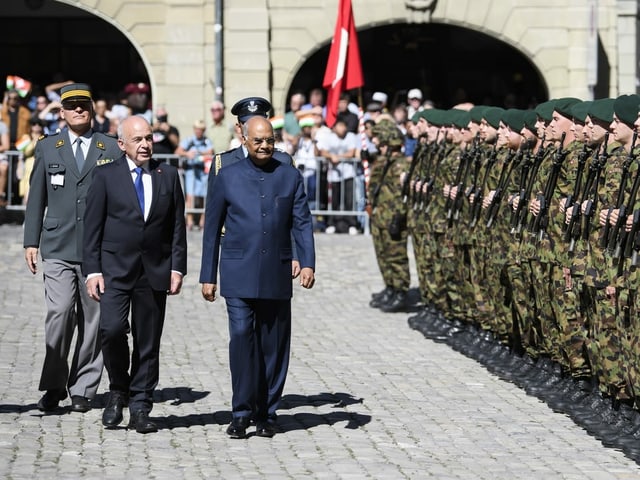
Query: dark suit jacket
x=117 y=239
x=261 y=209
x=62 y=230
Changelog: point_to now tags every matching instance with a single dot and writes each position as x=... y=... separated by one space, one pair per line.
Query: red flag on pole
x=344 y=70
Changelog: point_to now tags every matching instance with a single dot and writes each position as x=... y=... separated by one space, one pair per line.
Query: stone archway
x=450 y=64
x=48 y=41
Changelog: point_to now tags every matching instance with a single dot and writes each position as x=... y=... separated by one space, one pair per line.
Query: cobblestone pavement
x=366 y=397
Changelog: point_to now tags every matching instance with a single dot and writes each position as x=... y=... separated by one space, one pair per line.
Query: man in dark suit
x=262 y=205
x=62 y=172
x=135 y=253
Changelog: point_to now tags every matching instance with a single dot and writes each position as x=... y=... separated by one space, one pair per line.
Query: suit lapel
x=157 y=175
x=129 y=188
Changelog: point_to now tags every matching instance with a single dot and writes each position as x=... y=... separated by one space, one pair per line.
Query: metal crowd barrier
x=324 y=180
x=333 y=190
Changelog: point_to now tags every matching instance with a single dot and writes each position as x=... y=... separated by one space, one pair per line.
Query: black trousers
x=147 y=307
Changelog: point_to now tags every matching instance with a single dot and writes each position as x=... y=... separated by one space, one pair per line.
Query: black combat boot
x=397 y=303
x=383 y=299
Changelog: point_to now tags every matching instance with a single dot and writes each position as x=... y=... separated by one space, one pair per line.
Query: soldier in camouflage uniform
x=599 y=295
x=388 y=217
x=620 y=273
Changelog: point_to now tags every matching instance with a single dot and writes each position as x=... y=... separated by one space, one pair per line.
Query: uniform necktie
x=79 y=154
x=139 y=188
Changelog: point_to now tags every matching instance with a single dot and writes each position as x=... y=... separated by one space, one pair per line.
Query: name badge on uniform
x=57 y=180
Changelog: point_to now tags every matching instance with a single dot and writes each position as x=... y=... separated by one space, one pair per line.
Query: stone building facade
x=265 y=43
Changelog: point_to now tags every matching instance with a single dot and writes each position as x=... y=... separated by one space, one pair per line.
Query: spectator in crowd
x=101 y=122
x=368 y=132
x=221 y=131
x=414 y=99
x=198 y=150
x=316 y=104
x=166 y=137
x=138 y=100
x=49 y=114
x=61 y=176
x=29 y=156
x=277 y=123
x=373 y=111
x=4 y=163
x=53 y=89
x=135 y=254
x=340 y=149
x=291 y=126
x=382 y=99
x=349 y=118
x=399 y=114
x=306 y=154
x=16 y=116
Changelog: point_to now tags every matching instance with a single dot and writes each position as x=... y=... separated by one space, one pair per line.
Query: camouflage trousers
x=628 y=309
x=546 y=325
x=464 y=280
x=478 y=274
x=571 y=323
x=523 y=308
x=499 y=291
x=605 y=343
x=419 y=239
x=392 y=257
x=440 y=277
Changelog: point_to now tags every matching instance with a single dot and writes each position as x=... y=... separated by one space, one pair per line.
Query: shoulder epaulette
x=218 y=164
x=103 y=161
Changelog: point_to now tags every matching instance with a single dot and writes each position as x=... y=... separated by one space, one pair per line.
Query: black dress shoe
x=51 y=399
x=140 y=421
x=112 y=414
x=266 y=429
x=80 y=404
x=238 y=427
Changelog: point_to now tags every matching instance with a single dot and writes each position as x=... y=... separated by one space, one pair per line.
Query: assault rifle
x=542 y=219
x=610 y=238
x=523 y=204
x=592 y=203
x=453 y=205
x=478 y=194
x=505 y=175
x=439 y=156
x=571 y=198
x=527 y=162
x=415 y=161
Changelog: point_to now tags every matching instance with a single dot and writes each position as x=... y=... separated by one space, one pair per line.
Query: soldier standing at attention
x=60 y=180
x=389 y=215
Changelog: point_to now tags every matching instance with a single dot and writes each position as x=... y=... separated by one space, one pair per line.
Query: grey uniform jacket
x=60 y=190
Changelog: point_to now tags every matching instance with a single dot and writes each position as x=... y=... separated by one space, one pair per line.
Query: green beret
x=477 y=112
x=530 y=118
x=460 y=118
x=514 y=119
x=579 y=111
x=434 y=116
x=626 y=108
x=416 y=117
x=493 y=115
x=545 y=110
x=602 y=109
x=563 y=105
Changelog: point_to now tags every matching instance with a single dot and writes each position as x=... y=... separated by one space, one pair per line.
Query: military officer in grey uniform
x=62 y=172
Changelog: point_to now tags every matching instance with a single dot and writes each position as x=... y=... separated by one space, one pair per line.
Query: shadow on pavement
x=287 y=422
